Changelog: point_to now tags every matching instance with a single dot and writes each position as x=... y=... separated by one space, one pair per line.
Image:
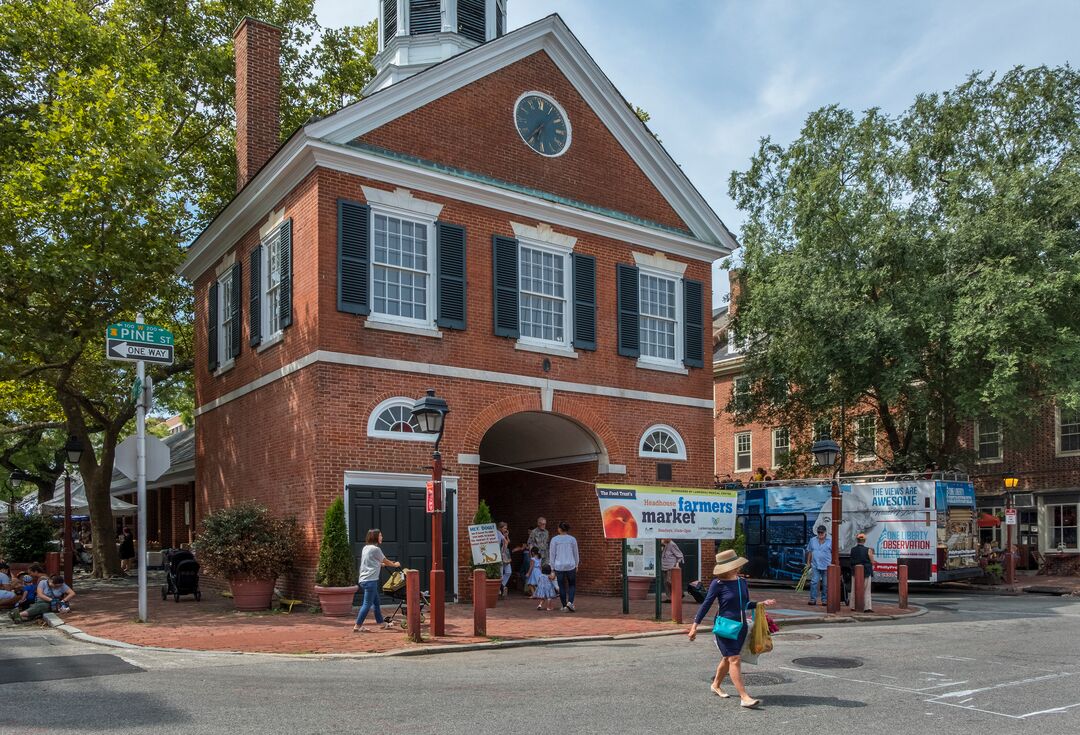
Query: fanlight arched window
x=662 y=442
x=392 y=419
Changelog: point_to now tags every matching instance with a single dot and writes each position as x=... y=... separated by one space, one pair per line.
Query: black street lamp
x=1011 y=484
x=17 y=478
x=430 y=414
x=826 y=453
x=74 y=449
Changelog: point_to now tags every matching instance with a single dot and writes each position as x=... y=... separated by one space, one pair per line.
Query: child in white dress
x=546 y=589
x=532 y=578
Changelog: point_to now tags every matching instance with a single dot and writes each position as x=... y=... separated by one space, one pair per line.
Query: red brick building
x=493 y=222
x=1047 y=462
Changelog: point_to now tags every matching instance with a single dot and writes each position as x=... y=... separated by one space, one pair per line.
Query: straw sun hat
x=727 y=561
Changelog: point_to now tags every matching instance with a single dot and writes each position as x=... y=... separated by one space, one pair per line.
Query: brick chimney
x=258 y=96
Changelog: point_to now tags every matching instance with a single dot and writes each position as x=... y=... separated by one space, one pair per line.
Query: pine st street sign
x=134 y=342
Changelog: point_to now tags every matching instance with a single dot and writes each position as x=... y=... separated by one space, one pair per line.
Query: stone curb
x=55 y=621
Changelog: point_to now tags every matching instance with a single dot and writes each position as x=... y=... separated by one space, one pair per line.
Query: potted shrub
x=492 y=572
x=26 y=539
x=250 y=548
x=335 y=577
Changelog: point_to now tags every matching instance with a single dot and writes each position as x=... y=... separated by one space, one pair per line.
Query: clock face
x=542 y=124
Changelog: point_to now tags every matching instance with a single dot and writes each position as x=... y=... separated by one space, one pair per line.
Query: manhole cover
x=763 y=680
x=797 y=636
x=828 y=662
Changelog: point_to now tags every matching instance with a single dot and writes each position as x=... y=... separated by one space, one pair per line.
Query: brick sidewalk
x=108 y=610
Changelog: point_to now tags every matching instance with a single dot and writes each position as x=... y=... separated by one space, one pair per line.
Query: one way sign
x=119 y=349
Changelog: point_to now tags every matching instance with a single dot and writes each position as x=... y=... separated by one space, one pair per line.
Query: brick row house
x=491 y=221
x=1046 y=462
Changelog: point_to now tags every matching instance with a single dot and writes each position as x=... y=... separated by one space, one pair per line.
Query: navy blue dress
x=727 y=593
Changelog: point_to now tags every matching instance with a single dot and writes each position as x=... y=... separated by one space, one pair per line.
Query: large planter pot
x=336 y=602
x=252 y=595
x=639 y=587
x=492 y=586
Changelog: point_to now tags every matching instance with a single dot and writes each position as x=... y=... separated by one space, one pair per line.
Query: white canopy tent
x=80 y=505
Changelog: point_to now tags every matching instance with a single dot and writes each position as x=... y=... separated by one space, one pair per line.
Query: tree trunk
x=97 y=479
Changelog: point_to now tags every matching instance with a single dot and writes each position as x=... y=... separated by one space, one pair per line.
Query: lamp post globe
x=825 y=452
x=74 y=449
x=430 y=413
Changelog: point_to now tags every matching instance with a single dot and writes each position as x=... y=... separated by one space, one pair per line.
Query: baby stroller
x=395 y=587
x=181 y=576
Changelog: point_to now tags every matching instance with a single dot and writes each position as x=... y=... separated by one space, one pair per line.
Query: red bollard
x=437 y=599
x=412 y=606
x=52 y=562
x=833 y=601
x=901 y=585
x=676 y=594
x=479 y=603
x=858 y=600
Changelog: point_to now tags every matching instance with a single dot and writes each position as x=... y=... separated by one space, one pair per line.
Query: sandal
x=752 y=704
x=720 y=692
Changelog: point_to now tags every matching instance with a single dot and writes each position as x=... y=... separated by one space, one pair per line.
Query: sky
x=717 y=75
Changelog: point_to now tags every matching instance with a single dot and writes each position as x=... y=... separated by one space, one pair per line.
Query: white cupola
x=416 y=34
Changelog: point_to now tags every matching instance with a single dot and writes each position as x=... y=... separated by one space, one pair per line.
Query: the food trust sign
x=634 y=511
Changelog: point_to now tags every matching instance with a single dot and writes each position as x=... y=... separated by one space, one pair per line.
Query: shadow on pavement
x=797 y=700
x=95 y=710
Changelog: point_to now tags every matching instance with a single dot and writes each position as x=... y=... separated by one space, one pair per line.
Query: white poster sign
x=484 y=540
x=639 y=512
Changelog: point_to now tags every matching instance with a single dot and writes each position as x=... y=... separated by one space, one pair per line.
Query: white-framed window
x=402 y=263
x=866 y=438
x=1063 y=522
x=781 y=446
x=544 y=288
x=988 y=440
x=659 y=316
x=226 y=324
x=271 y=286
x=392 y=419
x=740 y=392
x=660 y=441
x=1067 y=431
x=743 y=445
x=822 y=430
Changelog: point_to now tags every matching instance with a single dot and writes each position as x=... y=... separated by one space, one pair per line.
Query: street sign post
x=141 y=343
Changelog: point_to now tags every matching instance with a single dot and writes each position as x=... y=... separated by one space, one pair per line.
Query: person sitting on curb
x=52 y=595
x=28 y=595
x=7 y=594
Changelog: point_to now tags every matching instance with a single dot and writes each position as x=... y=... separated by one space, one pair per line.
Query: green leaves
x=337 y=565
x=246 y=542
x=923 y=267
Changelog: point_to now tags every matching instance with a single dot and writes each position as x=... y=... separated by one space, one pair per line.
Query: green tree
x=116 y=147
x=337 y=565
x=923 y=268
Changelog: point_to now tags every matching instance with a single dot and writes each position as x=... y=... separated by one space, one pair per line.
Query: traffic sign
x=1010 y=516
x=158 y=457
x=118 y=349
x=141 y=333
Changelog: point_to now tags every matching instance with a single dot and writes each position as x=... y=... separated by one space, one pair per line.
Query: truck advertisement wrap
x=634 y=511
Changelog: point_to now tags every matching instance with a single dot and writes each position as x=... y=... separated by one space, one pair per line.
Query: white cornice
x=301 y=155
x=551 y=35
x=401 y=200
x=544 y=234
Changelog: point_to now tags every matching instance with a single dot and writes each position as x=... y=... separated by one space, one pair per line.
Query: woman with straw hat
x=733 y=596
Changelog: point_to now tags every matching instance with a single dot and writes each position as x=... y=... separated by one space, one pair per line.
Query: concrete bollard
x=858 y=600
x=901 y=585
x=479 y=603
x=412 y=606
x=676 y=594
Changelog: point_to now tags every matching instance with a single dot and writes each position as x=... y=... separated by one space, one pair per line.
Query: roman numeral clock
x=542 y=124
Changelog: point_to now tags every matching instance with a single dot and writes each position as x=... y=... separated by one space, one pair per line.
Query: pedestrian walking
x=564 y=561
x=732 y=594
x=819 y=557
x=540 y=538
x=671 y=557
x=504 y=553
x=861 y=555
x=372 y=560
x=127 y=549
x=546 y=588
x=532 y=576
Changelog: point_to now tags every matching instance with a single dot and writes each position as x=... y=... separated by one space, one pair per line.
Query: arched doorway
x=543 y=464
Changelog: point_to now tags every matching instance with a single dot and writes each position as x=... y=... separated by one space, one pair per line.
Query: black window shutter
x=626 y=277
x=694 y=323
x=234 y=348
x=354 y=256
x=255 y=297
x=450 y=241
x=212 y=326
x=285 y=300
x=584 y=302
x=505 y=267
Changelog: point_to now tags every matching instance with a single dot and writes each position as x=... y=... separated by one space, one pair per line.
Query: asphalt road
x=974 y=664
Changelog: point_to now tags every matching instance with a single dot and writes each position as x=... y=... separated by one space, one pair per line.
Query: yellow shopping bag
x=760 y=640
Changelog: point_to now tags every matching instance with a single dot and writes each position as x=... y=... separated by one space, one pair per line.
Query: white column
x=449 y=16
x=489 y=20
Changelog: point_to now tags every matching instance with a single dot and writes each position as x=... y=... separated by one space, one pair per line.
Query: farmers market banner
x=635 y=511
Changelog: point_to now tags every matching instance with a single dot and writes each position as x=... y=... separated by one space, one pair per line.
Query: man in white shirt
x=563 y=552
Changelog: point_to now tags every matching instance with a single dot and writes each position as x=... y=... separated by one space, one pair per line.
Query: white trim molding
x=544 y=234
x=660 y=262
x=403 y=201
x=450 y=371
